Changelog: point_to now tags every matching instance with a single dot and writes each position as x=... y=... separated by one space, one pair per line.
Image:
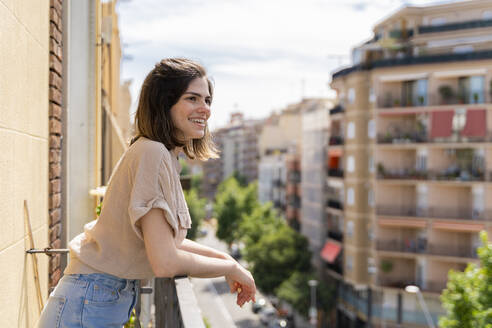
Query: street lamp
x=313 y=311
x=412 y=289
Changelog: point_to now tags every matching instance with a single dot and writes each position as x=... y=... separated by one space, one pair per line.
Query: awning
x=442 y=123
x=330 y=251
x=458 y=226
x=407 y=223
x=476 y=124
x=334 y=152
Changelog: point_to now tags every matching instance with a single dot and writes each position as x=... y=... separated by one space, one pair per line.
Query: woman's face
x=191 y=112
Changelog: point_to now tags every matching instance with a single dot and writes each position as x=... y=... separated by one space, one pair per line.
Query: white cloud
x=258 y=51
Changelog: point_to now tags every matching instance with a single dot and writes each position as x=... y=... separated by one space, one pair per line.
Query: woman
x=143 y=222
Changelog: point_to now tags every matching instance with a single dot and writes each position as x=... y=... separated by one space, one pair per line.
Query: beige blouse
x=146 y=176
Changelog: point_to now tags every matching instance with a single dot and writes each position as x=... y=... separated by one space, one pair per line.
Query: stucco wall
x=24 y=67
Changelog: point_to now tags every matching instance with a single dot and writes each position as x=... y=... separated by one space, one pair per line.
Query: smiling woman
x=141 y=230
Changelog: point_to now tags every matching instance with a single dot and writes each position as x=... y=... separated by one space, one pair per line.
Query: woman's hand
x=241 y=281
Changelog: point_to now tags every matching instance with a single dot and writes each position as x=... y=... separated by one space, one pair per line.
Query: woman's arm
x=167 y=260
x=194 y=247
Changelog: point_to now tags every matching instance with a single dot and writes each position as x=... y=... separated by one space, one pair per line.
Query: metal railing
x=478 y=23
x=404 y=246
x=336 y=173
x=452 y=250
x=337 y=109
x=454 y=97
x=335 y=140
x=175 y=304
x=433 y=212
x=334 y=204
x=451 y=174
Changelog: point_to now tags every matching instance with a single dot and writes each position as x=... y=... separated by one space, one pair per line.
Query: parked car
x=279 y=323
x=258 y=305
x=235 y=251
x=268 y=315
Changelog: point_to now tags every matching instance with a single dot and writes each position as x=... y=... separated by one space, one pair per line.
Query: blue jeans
x=90 y=301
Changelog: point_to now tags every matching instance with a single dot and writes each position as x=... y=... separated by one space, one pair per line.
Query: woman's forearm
x=196 y=248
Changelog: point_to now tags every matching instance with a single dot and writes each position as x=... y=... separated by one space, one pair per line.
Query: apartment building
x=238 y=146
x=315 y=130
x=409 y=162
x=280 y=140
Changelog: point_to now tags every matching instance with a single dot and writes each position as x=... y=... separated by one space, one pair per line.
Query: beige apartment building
x=410 y=162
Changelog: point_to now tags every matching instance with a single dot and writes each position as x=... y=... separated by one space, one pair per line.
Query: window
x=350 y=228
x=371 y=129
x=370 y=198
x=351 y=95
x=350 y=196
x=350 y=164
x=372 y=95
x=350 y=130
x=487 y=15
x=459 y=119
x=372 y=169
x=349 y=263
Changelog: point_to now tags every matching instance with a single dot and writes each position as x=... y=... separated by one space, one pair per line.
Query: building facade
x=50 y=131
x=409 y=161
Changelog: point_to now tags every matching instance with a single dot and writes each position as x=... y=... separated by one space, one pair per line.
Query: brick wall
x=55 y=139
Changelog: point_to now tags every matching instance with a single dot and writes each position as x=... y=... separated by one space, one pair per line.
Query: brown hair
x=161 y=90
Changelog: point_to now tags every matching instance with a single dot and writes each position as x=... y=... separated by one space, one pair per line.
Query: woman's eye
x=208 y=101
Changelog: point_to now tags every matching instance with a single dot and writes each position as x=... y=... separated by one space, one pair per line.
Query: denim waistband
x=106 y=279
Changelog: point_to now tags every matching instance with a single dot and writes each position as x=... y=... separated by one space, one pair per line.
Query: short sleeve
x=147 y=191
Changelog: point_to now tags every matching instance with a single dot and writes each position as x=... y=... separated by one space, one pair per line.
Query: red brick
x=55 y=96
x=55 y=80
x=55 y=156
x=56 y=244
x=55 y=111
x=55 y=126
x=55 y=232
x=55 y=277
x=56 y=49
x=55 y=142
x=55 y=216
x=57 y=5
x=55 y=201
x=54 y=262
x=54 y=16
x=55 y=186
x=55 y=65
x=55 y=170
x=55 y=33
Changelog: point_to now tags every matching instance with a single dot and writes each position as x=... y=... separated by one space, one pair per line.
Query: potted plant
x=386 y=266
x=475 y=97
x=421 y=100
x=446 y=93
x=396 y=102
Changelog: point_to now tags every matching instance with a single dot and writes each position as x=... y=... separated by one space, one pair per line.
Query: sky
x=261 y=54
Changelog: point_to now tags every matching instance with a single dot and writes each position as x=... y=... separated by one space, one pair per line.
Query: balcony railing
x=451 y=174
x=433 y=212
x=452 y=250
x=420 y=246
x=415 y=60
x=337 y=109
x=395 y=282
x=478 y=23
x=334 y=204
x=335 y=234
x=403 y=137
x=451 y=97
x=335 y=140
x=335 y=173
x=175 y=304
x=405 y=246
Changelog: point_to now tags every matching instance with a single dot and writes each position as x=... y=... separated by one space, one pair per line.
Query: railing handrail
x=176 y=304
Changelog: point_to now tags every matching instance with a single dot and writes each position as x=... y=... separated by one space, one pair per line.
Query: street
x=218 y=305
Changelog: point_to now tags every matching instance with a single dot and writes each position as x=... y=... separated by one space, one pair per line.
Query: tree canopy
x=468 y=296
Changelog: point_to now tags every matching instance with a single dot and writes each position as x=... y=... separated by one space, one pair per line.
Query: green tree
x=196 y=207
x=231 y=203
x=263 y=220
x=468 y=296
x=296 y=291
x=276 y=256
